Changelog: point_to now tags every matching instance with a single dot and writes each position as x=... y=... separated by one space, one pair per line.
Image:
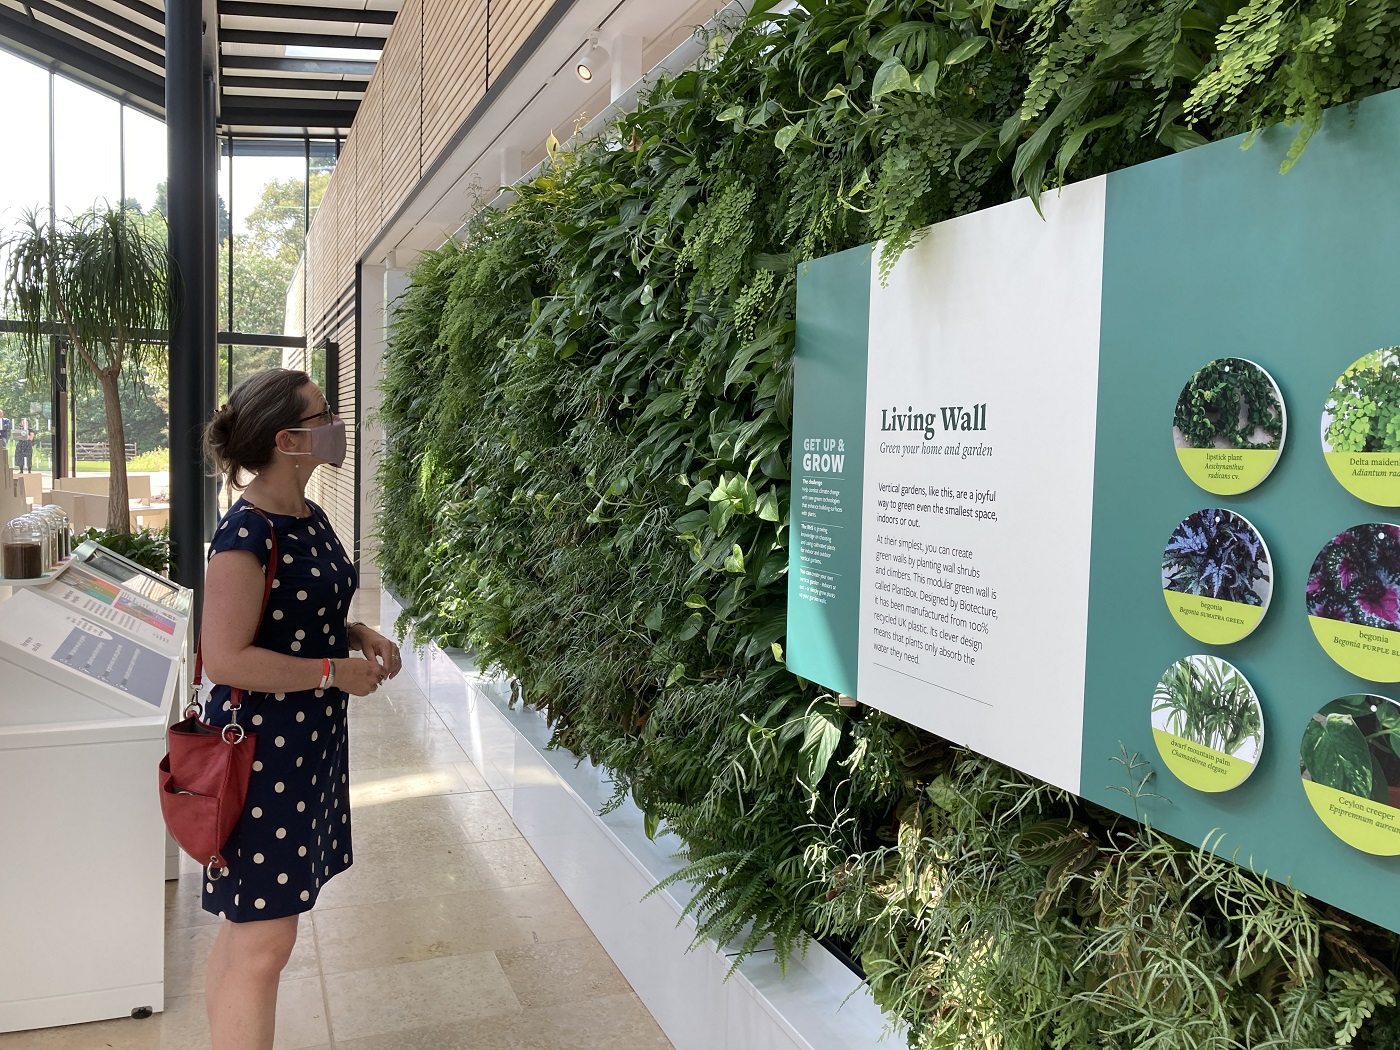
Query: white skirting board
x=606 y=865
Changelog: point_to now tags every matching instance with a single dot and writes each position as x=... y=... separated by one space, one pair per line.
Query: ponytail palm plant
x=102 y=280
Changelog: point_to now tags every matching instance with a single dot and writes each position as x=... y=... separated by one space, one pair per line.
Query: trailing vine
x=588 y=413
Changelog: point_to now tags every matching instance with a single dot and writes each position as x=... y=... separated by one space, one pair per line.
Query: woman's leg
x=240 y=985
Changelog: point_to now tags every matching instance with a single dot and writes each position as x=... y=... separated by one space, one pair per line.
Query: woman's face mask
x=327 y=441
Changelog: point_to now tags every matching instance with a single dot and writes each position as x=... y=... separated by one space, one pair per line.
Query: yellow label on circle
x=1227 y=471
x=1372 y=827
x=1368 y=652
x=1372 y=476
x=1211 y=620
x=1198 y=766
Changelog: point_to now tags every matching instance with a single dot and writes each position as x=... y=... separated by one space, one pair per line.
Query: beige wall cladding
x=334 y=489
x=511 y=22
x=402 y=71
x=454 y=68
x=368 y=138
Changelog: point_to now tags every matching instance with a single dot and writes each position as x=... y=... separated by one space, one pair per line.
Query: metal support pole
x=185 y=134
x=209 y=349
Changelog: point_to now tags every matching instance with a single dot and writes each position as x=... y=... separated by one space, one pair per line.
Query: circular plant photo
x=1217 y=576
x=1229 y=426
x=1361 y=428
x=1351 y=771
x=1207 y=723
x=1354 y=600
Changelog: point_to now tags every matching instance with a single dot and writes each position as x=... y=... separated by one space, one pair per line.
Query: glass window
x=225 y=291
x=144 y=157
x=323 y=157
x=87 y=150
x=24 y=176
x=269 y=229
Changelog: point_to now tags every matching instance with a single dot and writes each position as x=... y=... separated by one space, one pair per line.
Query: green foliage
x=148 y=547
x=1364 y=407
x=587 y=407
x=1230 y=403
x=1351 y=745
x=1208 y=701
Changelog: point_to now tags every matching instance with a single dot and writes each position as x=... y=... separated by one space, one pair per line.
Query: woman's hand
x=377 y=648
x=358 y=677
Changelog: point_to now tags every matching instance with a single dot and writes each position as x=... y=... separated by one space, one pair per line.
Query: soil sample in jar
x=22 y=549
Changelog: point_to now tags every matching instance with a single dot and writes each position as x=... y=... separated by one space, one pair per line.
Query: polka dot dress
x=294 y=834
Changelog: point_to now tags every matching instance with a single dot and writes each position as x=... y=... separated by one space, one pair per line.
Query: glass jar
x=65 y=531
x=22 y=546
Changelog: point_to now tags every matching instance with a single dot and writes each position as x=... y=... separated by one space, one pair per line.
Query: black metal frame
x=296 y=12
x=83 y=61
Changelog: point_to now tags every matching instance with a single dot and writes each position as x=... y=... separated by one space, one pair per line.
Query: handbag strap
x=236 y=694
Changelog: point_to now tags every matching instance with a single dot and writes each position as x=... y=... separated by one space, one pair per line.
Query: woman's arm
x=233 y=596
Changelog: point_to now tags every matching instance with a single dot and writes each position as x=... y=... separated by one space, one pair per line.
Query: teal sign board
x=1022 y=521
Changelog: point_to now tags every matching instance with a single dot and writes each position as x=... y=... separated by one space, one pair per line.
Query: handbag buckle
x=212 y=873
x=235 y=740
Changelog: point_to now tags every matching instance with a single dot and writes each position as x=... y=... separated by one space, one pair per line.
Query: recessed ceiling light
x=337 y=53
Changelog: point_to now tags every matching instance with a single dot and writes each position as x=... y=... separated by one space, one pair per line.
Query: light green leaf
x=735 y=561
x=891 y=76
x=732 y=113
x=677 y=673
x=783 y=139
x=966 y=50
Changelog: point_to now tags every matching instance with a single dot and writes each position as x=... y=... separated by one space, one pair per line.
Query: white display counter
x=91 y=665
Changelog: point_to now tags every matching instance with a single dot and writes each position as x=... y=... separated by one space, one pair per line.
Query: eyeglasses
x=324 y=416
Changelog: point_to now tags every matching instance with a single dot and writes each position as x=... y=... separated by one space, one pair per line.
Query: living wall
x=588 y=410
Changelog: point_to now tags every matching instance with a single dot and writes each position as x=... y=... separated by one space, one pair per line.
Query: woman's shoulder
x=243 y=527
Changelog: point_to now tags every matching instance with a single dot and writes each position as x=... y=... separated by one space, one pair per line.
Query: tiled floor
x=446 y=934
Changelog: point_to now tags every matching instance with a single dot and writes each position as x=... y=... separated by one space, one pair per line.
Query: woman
x=293 y=663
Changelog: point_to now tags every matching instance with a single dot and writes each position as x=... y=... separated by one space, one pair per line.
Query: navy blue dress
x=294 y=833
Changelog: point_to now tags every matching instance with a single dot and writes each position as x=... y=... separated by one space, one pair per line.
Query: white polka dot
x=281 y=741
x=332 y=639
x=301 y=596
x=268 y=543
x=301 y=716
x=279 y=787
x=257 y=766
x=223 y=526
x=306 y=895
x=260 y=903
x=299 y=761
x=339 y=605
x=208 y=887
x=314 y=734
x=313 y=779
x=280 y=696
x=310 y=531
x=282 y=879
x=301 y=851
x=319 y=692
x=286 y=559
x=329 y=710
x=281 y=833
x=257 y=811
x=257 y=720
x=347 y=858
x=276 y=584
x=222 y=915
x=228 y=705
x=243 y=533
x=296 y=647
x=328 y=871
x=321 y=611
x=291 y=535
x=337 y=588
x=277 y=614
x=301 y=807
x=257 y=858
x=325 y=628
x=300 y=634
x=318 y=884
x=235 y=898
x=345 y=818
x=335 y=843
x=315 y=571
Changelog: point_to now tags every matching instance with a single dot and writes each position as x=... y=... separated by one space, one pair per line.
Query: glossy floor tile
x=446 y=933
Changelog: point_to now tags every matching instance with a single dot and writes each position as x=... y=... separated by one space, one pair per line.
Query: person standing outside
x=24 y=447
x=292 y=660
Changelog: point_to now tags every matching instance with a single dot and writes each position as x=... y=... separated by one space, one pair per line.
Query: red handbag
x=204 y=775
